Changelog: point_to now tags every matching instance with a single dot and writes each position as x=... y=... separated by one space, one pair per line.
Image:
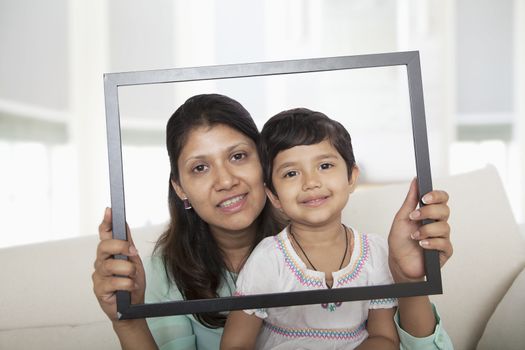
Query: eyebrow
x=318 y=158
x=227 y=150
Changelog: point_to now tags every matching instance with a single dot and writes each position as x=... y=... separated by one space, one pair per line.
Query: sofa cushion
x=488 y=249
x=505 y=329
x=489 y=253
x=49 y=284
x=97 y=335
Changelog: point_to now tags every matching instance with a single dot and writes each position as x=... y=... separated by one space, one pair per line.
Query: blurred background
x=54 y=180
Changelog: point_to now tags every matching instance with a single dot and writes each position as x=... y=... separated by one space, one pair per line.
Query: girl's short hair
x=301 y=126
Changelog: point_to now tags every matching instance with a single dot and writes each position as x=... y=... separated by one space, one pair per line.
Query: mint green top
x=439 y=340
x=181 y=332
x=184 y=332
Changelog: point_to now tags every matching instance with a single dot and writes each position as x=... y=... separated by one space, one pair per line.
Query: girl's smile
x=315 y=201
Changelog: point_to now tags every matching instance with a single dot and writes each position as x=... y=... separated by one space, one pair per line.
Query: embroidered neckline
x=302 y=274
x=316 y=279
x=359 y=263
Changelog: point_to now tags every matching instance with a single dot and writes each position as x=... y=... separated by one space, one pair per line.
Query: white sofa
x=47 y=301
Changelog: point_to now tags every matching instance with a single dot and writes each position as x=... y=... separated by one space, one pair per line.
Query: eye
x=325 y=166
x=239 y=156
x=291 y=173
x=199 y=168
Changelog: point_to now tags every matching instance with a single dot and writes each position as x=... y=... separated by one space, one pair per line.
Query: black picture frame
x=410 y=59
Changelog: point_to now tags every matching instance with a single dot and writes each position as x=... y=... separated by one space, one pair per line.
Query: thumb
x=104 y=229
x=410 y=202
x=130 y=239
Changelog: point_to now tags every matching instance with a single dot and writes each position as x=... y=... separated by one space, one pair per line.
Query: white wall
x=34 y=48
x=55 y=52
x=485 y=60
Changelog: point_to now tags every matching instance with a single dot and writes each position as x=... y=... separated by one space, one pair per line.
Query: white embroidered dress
x=274 y=267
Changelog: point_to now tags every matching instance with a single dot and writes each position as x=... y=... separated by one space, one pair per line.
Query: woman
x=218 y=214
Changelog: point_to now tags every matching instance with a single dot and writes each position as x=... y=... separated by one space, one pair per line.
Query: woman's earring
x=187 y=204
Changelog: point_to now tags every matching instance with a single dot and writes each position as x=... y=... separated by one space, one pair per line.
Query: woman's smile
x=233 y=204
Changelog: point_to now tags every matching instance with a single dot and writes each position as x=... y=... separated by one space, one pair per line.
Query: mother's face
x=220 y=174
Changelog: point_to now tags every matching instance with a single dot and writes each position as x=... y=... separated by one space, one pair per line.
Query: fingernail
x=106 y=212
x=136 y=285
x=423 y=243
x=415 y=235
x=133 y=250
x=414 y=215
x=427 y=198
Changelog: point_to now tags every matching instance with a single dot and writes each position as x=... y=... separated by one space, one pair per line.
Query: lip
x=314 y=201
x=232 y=203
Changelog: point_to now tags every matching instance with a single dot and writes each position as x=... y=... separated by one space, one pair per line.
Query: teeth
x=315 y=200
x=231 y=201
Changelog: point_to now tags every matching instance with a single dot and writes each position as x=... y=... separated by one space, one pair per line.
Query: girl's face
x=220 y=174
x=312 y=184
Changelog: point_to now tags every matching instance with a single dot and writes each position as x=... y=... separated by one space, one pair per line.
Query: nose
x=225 y=178
x=310 y=181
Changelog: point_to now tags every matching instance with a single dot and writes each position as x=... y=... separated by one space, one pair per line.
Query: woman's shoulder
x=154 y=265
x=159 y=286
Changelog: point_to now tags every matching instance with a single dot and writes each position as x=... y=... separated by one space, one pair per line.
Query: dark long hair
x=191 y=256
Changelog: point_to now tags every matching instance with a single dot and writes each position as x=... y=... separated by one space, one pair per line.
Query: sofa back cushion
x=489 y=250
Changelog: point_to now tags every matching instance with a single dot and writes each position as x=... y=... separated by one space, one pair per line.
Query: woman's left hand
x=408 y=236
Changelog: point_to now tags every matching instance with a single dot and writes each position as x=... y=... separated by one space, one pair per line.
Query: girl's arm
x=382 y=333
x=240 y=331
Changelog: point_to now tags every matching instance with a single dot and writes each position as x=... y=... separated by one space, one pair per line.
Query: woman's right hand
x=105 y=283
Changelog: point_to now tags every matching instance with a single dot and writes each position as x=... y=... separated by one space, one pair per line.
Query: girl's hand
x=105 y=283
x=408 y=237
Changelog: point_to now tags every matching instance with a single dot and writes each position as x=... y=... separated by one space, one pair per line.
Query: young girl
x=310 y=172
